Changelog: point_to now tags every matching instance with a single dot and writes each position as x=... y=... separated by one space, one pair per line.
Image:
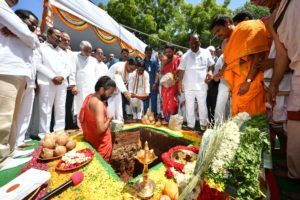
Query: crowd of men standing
x=197 y=84
x=44 y=83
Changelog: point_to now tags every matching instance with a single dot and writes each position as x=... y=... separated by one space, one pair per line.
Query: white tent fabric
x=95 y=16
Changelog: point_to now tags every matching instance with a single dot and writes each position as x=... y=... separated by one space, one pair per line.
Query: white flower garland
x=226 y=152
x=182 y=179
x=74 y=157
x=240 y=118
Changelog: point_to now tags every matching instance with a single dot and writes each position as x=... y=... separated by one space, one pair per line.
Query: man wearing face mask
x=53 y=70
x=16 y=51
x=84 y=75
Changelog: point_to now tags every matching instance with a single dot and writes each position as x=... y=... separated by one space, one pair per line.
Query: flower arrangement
x=237 y=161
x=231 y=155
x=218 y=173
x=245 y=169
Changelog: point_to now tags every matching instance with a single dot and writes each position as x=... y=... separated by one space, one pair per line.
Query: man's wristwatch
x=248 y=80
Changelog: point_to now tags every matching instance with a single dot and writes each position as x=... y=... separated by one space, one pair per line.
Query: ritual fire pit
x=127 y=143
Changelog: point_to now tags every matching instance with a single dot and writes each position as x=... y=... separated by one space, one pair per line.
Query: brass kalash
x=145 y=187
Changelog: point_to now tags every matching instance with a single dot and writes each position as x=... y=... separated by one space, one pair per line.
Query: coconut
x=71 y=145
x=47 y=153
x=62 y=140
x=151 y=118
x=48 y=143
x=60 y=150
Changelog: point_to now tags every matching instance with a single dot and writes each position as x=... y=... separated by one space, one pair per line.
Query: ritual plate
x=183 y=156
x=48 y=159
x=75 y=159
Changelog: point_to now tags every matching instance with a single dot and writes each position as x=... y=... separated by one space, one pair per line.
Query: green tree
x=170 y=20
x=199 y=18
x=257 y=11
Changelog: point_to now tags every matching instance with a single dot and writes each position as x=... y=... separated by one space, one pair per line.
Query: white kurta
x=86 y=76
x=53 y=62
x=103 y=69
x=138 y=85
x=222 y=108
x=119 y=74
x=16 y=53
x=195 y=67
x=279 y=111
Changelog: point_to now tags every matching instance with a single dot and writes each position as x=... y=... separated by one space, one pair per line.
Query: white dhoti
x=279 y=111
x=25 y=115
x=222 y=102
x=115 y=106
x=137 y=107
x=190 y=97
x=50 y=95
x=181 y=107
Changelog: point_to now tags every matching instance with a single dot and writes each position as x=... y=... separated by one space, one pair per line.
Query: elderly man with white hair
x=84 y=75
x=53 y=69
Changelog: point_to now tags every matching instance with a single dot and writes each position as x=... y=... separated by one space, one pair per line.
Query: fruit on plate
x=58 y=142
x=60 y=150
x=71 y=145
x=47 y=153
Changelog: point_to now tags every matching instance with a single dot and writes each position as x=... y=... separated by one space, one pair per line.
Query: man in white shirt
x=119 y=72
x=69 y=116
x=27 y=101
x=85 y=76
x=16 y=53
x=53 y=70
x=195 y=64
x=103 y=69
x=139 y=87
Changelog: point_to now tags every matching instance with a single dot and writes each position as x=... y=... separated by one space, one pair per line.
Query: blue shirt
x=152 y=68
x=113 y=61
